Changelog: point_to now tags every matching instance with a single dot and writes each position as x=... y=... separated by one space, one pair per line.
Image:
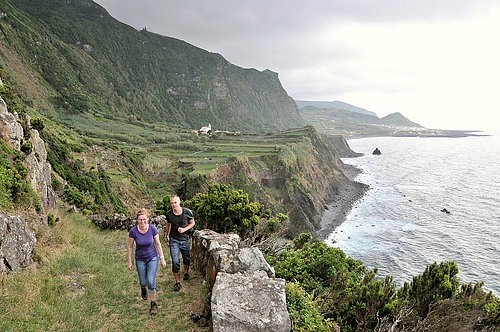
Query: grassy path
x=81 y=283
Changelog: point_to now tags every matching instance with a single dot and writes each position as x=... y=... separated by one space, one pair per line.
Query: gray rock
x=249 y=302
x=17 y=242
x=39 y=172
x=10 y=129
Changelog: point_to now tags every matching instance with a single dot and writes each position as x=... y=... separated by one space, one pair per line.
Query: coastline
x=337 y=210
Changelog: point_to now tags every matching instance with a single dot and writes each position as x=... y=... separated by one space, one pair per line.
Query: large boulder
x=17 y=242
x=214 y=252
x=249 y=302
x=207 y=248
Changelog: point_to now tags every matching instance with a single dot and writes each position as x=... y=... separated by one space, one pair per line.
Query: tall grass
x=81 y=283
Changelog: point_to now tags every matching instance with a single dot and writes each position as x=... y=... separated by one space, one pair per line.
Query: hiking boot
x=177 y=287
x=186 y=276
x=144 y=293
x=154 y=308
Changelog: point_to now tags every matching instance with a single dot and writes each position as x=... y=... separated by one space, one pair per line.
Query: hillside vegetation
x=354 y=124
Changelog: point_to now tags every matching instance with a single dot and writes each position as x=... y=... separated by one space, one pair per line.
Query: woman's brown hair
x=142 y=212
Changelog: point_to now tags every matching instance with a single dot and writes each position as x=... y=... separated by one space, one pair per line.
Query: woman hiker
x=148 y=252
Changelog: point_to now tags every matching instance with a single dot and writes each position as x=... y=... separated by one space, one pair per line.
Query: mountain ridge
x=337 y=104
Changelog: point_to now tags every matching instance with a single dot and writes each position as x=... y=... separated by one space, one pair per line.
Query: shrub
x=26 y=147
x=226 y=210
x=15 y=190
x=37 y=123
x=439 y=281
x=304 y=313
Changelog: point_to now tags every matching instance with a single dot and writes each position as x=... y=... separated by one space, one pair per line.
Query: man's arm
x=190 y=224
x=166 y=231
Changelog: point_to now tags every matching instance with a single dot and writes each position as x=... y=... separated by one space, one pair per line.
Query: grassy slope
x=82 y=284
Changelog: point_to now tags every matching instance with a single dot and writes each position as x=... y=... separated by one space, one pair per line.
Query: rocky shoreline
x=339 y=208
x=351 y=191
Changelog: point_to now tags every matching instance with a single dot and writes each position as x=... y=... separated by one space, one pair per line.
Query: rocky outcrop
x=39 y=169
x=17 y=242
x=10 y=129
x=39 y=172
x=246 y=296
x=340 y=146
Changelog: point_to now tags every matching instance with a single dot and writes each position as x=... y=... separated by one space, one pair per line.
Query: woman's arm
x=130 y=245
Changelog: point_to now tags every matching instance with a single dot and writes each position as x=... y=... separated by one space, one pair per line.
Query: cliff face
x=38 y=168
x=300 y=179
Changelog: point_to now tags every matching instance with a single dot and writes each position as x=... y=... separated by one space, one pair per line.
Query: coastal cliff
x=302 y=178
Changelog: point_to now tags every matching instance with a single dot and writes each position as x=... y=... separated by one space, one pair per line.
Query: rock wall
x=246 y=296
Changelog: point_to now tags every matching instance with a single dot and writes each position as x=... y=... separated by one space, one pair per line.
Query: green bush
x=437 y=282
x=15 y=190
x=26 y=147
x=226 y=210
x=304 y=312
x=345 y=290
x=37 y=123
x=52 y=220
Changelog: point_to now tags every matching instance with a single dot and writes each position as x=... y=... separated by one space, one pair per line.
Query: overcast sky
x=434 y=61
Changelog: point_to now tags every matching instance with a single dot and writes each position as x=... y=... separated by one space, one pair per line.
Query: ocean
x=399 y=227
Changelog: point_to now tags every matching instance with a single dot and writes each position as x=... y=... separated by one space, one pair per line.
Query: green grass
x=81 y=283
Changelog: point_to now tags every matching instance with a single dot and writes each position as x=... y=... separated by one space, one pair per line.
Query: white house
x=205 y=130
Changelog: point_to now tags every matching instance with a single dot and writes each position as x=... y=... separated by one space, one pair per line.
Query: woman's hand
x=162 y=261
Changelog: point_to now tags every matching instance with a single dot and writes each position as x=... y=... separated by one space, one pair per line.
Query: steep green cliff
x=77 y=61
